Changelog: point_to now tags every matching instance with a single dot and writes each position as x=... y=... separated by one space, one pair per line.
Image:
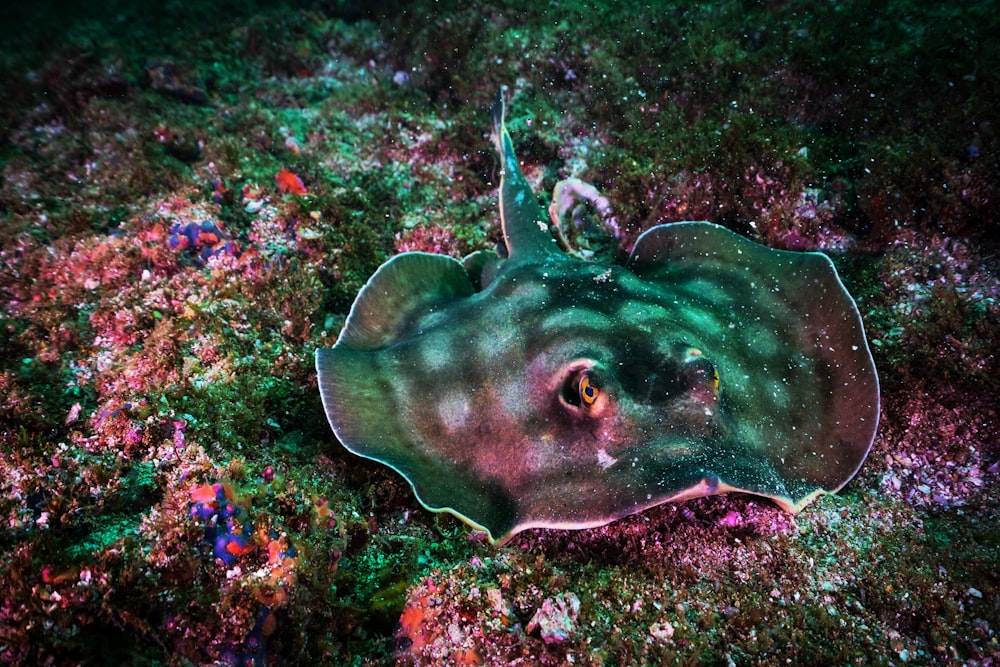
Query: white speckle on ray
x=494 y=339
x=435 y=357
x=511 y=399
x=453 y=410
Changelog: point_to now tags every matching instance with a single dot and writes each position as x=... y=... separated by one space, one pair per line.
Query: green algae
x=106 y=531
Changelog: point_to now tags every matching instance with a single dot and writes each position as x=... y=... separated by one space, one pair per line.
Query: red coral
x=289 y=183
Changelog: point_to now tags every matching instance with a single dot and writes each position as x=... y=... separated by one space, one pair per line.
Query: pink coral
x=432 y=239
x=555 y=620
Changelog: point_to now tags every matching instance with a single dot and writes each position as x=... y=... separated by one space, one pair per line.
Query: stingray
x=528 y=388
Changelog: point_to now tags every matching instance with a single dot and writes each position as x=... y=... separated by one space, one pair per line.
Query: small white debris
x=604 y=459
x=661 y=631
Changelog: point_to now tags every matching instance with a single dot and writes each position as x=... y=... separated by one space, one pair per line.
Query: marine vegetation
x=193 y=195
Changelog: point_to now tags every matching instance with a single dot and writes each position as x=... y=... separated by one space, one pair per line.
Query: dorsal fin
x=525 y=224
x=411 y=284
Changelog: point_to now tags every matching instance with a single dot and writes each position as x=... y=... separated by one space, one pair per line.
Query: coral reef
x=191 y=195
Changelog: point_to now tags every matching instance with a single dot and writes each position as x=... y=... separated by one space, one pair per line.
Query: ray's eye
x=581 y=389
x=588 y=390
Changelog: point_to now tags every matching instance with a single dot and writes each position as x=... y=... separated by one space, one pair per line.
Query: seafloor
x=192 y=194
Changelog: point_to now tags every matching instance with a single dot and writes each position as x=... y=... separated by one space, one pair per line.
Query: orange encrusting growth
x=289 y=183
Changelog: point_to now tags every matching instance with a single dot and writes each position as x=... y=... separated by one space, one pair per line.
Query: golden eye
x=588 y=392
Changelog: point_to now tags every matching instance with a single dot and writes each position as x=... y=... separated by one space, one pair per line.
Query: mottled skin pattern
x=542 y=390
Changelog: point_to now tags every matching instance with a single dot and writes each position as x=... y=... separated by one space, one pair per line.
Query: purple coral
x=226 y=528
x=583 y=218
x=203 y=240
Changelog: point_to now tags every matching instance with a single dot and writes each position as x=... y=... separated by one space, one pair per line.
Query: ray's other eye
x=588 y=390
